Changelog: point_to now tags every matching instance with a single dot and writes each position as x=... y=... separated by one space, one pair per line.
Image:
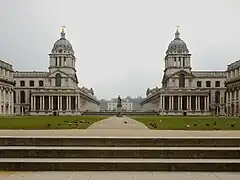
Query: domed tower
x=177 y=59
x=177 y=56
x=62 y=56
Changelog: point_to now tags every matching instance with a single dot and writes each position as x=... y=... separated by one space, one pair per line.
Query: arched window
x=22 y=97
x=58 y=80
x=181 y=80
x=217 y=97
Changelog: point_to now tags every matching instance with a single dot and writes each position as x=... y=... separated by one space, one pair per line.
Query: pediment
x=187 y=74
x=53 y=74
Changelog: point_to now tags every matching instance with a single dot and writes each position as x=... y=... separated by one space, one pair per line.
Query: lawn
x=48 y=122
x=190 y=122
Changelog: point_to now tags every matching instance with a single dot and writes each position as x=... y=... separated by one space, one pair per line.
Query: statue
x=119 y=107
x=119 y=102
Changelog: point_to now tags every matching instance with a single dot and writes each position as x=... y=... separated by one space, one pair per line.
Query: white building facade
x=7 y=89
x=56 y=91
x=233 y=89
x=185 y=91
x=126 y=106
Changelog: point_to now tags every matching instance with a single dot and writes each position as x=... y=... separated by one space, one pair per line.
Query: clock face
x=60 y=50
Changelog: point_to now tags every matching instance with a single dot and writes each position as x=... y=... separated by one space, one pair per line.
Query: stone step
x=120 y=141
x=120 y=152
x=92 y=164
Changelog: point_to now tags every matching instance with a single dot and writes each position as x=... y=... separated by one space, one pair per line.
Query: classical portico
x=174 y=102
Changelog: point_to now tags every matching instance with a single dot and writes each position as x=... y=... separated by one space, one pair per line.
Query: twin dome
x=176 y=46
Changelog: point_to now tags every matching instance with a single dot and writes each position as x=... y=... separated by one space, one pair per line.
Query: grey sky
x=119 y=44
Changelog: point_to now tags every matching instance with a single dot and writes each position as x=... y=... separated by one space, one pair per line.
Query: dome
x=177 y=45
x=62 y=45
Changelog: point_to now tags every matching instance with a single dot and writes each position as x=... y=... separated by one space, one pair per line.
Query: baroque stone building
x=233 y=89
x=7 y=89
x=185 y=91
x=54 y=91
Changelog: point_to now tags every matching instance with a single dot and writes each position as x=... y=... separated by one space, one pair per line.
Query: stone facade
x=185 y=91
x=6 y=89
x=233 y=89
x=54 y=91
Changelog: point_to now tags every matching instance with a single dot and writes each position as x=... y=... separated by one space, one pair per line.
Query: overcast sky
x=119 y=44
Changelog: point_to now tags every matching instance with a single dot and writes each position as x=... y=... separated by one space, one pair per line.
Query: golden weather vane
x=63 y=27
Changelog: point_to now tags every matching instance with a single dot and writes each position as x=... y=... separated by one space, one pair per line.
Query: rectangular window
x=199 y=84
x=208 y=83
x=22 y=83
x=31 y=83
x=217 y=84
x=40 y=83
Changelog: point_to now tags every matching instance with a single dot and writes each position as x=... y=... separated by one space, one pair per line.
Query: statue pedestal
x=119 y=111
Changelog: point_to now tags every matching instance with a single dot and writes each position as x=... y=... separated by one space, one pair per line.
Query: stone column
x=190 y=103
x=32 y=103
x=196 y=103
x=12 y=103
x=163 y=102
x=207 y=99
x=172 y=102
x=67 y=106
x=227 y=102
x=79 y=102
x=70 y=102
x=160 y=102
x=43 y=105
x=205 y=103
x=9 y=102
x=4 y=102
x=187 y=103
x=180 y=102
x=60 y=107
x=52 y=101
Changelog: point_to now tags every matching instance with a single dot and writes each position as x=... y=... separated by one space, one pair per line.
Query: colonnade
x=6 y=101
x=185 y=102
x=232 y=101
x=55 y=102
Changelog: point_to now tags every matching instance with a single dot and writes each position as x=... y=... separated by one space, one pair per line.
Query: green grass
x=48 y=122
x=193 y=123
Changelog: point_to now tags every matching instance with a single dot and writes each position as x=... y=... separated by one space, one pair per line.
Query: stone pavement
x=8 y=175
x=120 y=133
x=118 y=123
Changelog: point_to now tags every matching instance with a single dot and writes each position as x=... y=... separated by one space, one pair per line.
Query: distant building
x=7 y=89
x=233 y=89
x=126 y=106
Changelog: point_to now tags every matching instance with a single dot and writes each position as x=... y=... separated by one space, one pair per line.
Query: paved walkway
x=120 y=133
x=118 y=123
x=118 y=175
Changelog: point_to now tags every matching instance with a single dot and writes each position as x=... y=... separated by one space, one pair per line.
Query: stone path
x=119 y=133
x=8 y=175
x=118 y=123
